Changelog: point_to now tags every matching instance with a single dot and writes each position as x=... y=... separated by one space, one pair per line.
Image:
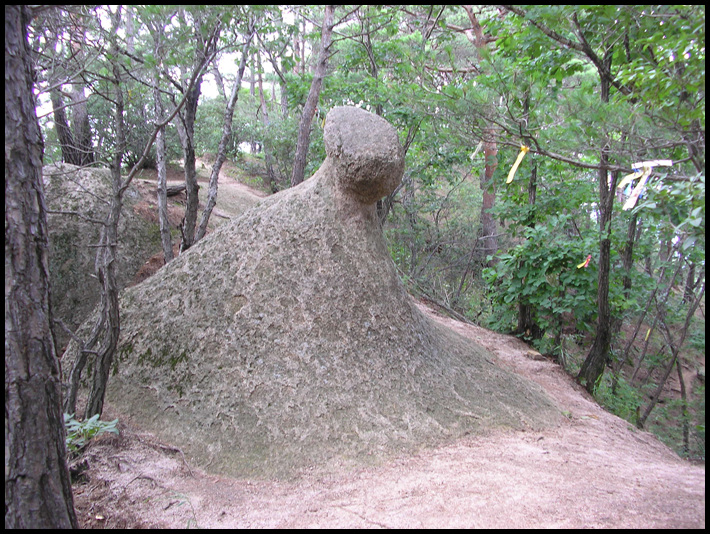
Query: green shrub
x=79 y=433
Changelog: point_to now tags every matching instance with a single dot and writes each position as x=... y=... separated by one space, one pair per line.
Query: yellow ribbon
x=523 y=150
x=585 y=263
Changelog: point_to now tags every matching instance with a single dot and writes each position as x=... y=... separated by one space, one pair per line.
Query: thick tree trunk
x=37 y=487
x=309 y=110
x=81 y=127
x=61 y=126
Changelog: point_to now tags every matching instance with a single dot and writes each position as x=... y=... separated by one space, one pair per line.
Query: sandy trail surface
x=593 y=471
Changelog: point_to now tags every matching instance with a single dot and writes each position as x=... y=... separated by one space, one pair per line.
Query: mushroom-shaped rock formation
x=285 y=340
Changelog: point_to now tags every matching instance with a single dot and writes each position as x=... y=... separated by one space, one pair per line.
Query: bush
x=79 y=433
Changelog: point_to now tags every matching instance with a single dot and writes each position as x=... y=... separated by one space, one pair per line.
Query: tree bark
x=526 y=324
x=596 y=360
x=160 y=157
x=186 y=129
x=675 y=348
x=224 y=141
x=106 y=265
x=37 y=486
x=61 y=126
x=104 y=336
x=81 y=129
x=270 y=175
x=309 y=110
x=488 y=231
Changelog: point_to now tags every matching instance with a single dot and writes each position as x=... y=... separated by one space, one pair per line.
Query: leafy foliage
x=79 y=433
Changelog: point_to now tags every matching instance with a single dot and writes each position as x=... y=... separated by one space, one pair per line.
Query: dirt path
x=594 y=471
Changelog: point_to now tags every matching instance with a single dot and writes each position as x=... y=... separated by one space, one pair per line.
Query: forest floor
x=595 y=470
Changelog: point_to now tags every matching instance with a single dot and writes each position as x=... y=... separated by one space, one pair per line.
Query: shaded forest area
x=555 y=160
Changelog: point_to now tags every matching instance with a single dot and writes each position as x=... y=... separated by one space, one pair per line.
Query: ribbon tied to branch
x=642 y=170
x=523 y=150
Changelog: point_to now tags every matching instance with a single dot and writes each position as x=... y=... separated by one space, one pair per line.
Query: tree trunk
x=186 y=129
x=165 y=237
x=596 y=360
x=675 y=348
x=526 y=325
x=309 y=110
x=106 y=268
x=224 y=141
x=37 y=487
x=271 y=177
x=81 y=129
x=488 y=224
x=488 y=231
x=61 y=126
x=105 y=332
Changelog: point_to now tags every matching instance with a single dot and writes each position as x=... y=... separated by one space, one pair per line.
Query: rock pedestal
x=285 y=340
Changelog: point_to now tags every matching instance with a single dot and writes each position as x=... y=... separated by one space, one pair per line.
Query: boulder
x=285 y=340
x=75 y=289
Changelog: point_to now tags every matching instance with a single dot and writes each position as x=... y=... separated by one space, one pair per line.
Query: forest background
x=555 y=159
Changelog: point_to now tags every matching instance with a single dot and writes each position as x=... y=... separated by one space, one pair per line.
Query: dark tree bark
x=526 y=324
x=186 y=129
x=81 y=127
x=37 y=487
x=309 y=110
x=61 y=125
x=595 y=362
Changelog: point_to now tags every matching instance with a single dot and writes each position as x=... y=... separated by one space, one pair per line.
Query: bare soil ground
x=594 y=471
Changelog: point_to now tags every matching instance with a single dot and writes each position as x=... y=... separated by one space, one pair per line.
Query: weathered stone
x=75 y=289
x=293 y=344
x=365 y=151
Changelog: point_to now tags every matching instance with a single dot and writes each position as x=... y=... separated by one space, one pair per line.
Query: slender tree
x=102 y=340
x=226 y=136
x=37 y=486
x=309 y=110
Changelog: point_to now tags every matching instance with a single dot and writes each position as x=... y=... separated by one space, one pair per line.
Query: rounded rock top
x=365 y=151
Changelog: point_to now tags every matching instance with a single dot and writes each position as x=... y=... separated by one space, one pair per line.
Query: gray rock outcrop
x=284 y=340
x=75 y=289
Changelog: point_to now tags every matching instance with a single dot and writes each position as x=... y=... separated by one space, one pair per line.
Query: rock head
x=367 y=158
x=285 y=339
